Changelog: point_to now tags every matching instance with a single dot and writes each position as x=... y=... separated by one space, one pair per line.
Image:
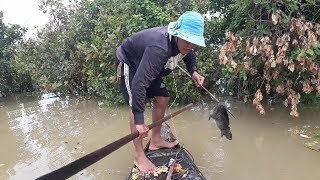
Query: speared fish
x=220 y=114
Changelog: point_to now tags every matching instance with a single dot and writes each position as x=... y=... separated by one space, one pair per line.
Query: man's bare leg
x=158 y=112
x=140 y=159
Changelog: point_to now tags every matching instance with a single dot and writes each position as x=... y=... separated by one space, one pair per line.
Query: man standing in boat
x=143 y=60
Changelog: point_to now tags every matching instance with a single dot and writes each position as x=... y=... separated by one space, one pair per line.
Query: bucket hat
x=190 y=27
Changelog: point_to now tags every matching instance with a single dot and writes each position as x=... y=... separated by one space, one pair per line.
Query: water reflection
x=28 y=124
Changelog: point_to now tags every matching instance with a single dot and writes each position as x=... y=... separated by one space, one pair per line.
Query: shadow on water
x=41 y=134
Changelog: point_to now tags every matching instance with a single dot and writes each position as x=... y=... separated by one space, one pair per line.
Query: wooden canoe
x=162 y=157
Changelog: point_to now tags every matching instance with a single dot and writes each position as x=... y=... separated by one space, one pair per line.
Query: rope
x=169 y=108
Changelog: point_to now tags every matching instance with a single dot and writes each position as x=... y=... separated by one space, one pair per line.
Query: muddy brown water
x=41 y=134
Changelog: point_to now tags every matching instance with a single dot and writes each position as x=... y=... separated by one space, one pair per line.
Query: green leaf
x=285 y=19
x=310 y=52
x=311 y=1
x=301 y=53
x=317 y=51
x=56 y=85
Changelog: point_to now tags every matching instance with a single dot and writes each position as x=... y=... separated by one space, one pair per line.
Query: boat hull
x=161 y=157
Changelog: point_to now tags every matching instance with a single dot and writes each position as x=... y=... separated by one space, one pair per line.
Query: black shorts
x=157 y=87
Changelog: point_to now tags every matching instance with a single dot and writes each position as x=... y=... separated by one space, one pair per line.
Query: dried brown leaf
x=307 y=88
x=295 y=42
x=233 y=64
x=280 y=89
x=247 y=65
x=245 y=99
x=275 y=18
x=268 y=88
x=253 y=71
x=291 y=67
x=294 y=113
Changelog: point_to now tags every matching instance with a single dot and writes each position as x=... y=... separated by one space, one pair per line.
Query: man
x=143 y=60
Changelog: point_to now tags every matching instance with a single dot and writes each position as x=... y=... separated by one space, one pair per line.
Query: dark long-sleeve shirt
x=147 y=53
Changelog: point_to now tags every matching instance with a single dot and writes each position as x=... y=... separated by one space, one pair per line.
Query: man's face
x=184 y=46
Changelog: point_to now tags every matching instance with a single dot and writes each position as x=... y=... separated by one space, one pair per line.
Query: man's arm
x=190 y=61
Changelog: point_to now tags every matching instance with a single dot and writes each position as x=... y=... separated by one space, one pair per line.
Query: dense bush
x=275 y=54
x=13 y=77
x=270 y=51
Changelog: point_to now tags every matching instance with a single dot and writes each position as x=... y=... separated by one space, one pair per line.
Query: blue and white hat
x=190 y=27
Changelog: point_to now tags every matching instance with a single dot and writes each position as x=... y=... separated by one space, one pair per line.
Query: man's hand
x=143 y=130
x=197 y=79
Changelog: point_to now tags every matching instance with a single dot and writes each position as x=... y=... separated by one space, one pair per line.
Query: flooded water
x=41 y=134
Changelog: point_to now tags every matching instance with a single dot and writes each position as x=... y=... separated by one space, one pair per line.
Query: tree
x=11 y=80
x=272 y=49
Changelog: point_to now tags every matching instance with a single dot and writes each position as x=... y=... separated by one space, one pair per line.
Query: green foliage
x=75 y=51
x=12 y=79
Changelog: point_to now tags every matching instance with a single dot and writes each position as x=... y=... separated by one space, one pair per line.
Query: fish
x=220 y=114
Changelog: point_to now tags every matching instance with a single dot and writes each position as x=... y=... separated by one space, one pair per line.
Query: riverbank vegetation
x=259 y=51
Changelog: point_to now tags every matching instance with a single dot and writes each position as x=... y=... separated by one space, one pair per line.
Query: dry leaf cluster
x=273 y=53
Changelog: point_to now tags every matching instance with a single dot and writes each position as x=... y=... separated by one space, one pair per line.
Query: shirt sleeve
x=190 y=61
x=151 y=64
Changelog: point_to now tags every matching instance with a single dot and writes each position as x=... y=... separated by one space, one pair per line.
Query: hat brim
x=197 y=40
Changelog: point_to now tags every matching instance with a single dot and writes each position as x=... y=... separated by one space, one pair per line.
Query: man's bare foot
x=144 y=164
x=155 y=145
